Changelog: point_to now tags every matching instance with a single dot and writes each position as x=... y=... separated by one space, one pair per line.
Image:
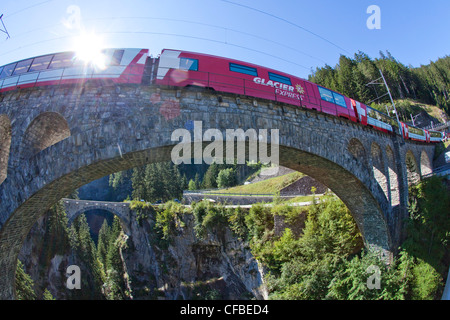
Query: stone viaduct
x=74 y=208
x=56 y=139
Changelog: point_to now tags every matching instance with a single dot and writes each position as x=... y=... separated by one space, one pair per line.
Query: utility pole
x=412 y=118
x=4 y=27
x=393 y=104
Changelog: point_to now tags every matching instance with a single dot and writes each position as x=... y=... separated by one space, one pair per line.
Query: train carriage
x=116 y=66
x=181 y=68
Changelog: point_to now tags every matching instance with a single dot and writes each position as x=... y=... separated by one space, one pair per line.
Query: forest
x=429 y=84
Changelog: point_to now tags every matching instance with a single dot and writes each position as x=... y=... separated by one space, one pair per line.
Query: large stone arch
x=44 y=131
x=350 y=189
x=5 y=144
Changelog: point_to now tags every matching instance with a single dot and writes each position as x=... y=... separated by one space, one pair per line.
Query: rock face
x=220 y=266
x=303 y=187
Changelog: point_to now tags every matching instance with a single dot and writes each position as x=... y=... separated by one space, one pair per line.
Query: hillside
x=269 y=186
x=427 y=84
x=424 y=115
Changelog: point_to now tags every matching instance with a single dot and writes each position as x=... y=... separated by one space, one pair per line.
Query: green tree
x=24 y=284
x=210 y=177
x=226 y=178
x=138 y=183
x=103 y=242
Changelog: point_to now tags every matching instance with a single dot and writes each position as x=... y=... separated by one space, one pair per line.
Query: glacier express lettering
x=281 y=89
x=273 y=84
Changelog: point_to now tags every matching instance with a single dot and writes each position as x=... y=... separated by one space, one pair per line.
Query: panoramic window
x=22 y=66
x=40 y=63
x=117 y=57
x=279 y=78
x=243 y=69
x=435 y=134
x=326 y=95
x=62 y=60
x=7 y=70
x=339 y=100
x=188 y=64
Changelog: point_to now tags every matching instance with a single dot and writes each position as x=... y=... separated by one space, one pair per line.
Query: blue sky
x=293 y=36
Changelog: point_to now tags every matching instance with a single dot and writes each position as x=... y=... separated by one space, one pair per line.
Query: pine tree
x=114 y=267
x=24 y=284
x=138 y=183
x=103 y=241
x=210 y=178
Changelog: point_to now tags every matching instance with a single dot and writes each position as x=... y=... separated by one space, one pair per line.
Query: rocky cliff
x=219 y=266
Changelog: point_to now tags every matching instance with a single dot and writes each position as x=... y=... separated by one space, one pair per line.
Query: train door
x=351 y=110
x=342 y=109
x=327 y=101
x=311 y=96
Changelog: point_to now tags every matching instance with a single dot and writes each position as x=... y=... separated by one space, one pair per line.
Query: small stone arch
x=44 y=131
x=378 y=167
x=5 y=144
x=393 y=177
x=425 y=164
x=412 y=169
x=71 y=216
x=356 y=148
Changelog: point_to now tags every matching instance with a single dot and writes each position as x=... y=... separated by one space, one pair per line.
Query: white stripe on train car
x=168 y=59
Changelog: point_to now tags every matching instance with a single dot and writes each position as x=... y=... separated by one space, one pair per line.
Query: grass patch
x=269 y=186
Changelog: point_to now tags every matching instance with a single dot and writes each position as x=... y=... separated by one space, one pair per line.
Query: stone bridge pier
x=56 y=139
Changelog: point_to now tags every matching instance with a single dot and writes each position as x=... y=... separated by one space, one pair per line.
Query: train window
x=1 y=69
x=326 y=94
x=188 y=64
x=243 y=69
x=7 y=70
x=40 y=63
x=117 y=57
x=279 y=78
x=62 y=60
x=339 y=99
x=415 y=131
x=372 y=113
x=22 y=66
x=435 y=134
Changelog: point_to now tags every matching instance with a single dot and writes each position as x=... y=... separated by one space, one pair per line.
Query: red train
x=183 y=69
x=120 y=66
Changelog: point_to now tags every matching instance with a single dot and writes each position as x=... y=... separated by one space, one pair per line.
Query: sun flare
x=88 y=47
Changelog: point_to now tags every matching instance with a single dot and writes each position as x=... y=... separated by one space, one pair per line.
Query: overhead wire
x=286 y=21
x=26 y=8
x=195 y=37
